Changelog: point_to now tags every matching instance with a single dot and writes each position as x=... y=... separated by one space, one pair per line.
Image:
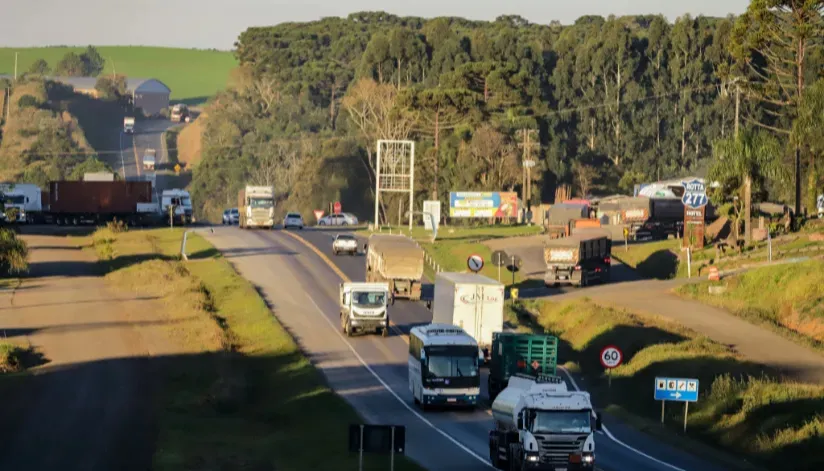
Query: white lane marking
x=612 y=437
x=393 y=393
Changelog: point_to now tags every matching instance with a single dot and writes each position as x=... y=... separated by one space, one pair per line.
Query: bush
x=14 y=254
x=28 y=101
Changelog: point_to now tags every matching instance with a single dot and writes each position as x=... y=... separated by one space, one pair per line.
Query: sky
x=216 y=23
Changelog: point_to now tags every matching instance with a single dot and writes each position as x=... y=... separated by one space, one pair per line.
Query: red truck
x=94 y=202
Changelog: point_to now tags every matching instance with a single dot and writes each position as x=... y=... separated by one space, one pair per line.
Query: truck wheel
x=385 y=332
x=348 y=329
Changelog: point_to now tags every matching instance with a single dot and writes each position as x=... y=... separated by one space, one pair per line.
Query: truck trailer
x=95 y=202
x=516 y=353
x=579 y=259
x=397 y=260
x=472 y=302
x=256 y=206
x=540 y=425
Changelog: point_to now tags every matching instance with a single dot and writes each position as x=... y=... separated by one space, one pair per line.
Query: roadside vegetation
x=788 y=298
x=243 y=396
x=743 y=408
x=193 y=75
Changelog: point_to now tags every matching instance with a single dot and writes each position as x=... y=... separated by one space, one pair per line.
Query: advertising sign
x=695 y=204
x=489 y=204
x=433 y=208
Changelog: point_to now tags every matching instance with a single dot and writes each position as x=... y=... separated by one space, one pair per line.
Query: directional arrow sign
x=676 y=389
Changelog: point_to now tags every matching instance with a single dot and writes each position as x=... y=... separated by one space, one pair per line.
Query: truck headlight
x=588 y=458
x=533 y=457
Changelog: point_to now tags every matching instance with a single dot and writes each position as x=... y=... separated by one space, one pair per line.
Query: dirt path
x=89 y=406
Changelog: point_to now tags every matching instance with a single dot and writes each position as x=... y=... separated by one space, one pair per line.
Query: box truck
x=472 y=302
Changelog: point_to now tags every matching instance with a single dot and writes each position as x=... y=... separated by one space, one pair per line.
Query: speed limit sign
x=611 y=357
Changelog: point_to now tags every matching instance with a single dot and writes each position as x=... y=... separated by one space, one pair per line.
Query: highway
x=296 y=275
x=148 y=135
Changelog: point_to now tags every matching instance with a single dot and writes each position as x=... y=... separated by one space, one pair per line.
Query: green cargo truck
x=513 y=353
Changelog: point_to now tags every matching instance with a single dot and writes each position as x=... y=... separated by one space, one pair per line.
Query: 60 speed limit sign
x=611 y=357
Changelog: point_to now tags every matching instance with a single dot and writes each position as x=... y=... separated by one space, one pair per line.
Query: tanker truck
x=542 y=426
x=397 y=260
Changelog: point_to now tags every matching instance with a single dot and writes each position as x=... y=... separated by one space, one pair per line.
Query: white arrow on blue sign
x=676 y=389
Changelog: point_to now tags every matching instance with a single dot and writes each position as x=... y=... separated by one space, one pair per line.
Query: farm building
x=150 y=95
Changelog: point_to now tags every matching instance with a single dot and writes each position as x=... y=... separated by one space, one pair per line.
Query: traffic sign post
x=475 y=263
x=676 y=389
x=499 y=259
x=337 y=207
x=611 y=357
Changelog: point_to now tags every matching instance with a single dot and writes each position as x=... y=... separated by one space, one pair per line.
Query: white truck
x=24 y=199
x=472 y=302
x=542 y=426
x=364 y=307
x=128 y=125
x=256 y=205
x=181 y=203
x=149 y=159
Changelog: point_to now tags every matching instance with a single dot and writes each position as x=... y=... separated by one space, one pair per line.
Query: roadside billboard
x=483 y=204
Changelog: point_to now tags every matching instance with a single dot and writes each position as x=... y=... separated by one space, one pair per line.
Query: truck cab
x=128 y=125
x=149 y=158
x=22 y=201
x=181 y=203
x=364 y=307
x=540 y=425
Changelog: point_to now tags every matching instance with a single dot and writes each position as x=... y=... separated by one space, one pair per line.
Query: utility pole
x=527 y=144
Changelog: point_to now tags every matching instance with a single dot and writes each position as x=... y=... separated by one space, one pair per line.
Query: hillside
x=193 y=75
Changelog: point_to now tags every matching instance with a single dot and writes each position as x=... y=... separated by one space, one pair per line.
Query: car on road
x=345 y=243
x=293 y=220
x=343 y=219
x=231 y=216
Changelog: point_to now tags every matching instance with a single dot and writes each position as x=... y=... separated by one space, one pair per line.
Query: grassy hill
x=193 y=75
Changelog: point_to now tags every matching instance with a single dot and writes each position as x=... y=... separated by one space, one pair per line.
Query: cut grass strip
x=249 y=399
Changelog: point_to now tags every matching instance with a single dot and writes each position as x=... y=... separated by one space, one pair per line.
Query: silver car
x=343 y=219
x=231 y=216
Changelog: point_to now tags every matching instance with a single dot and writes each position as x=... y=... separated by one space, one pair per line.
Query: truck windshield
x=14 y=199
x=369 y=300
x=187 y=202
x=562 y=422
x=261 y=203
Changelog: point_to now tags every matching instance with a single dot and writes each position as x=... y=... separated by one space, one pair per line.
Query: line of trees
x=615 y=101
x=89 y=63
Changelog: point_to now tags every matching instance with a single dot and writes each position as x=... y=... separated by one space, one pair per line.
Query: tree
x=90 y=165
x=111 y=87
x=93 y=62
x=775 y=38
x=585 y=176
x=40 y=67
x=492 y=161
x=744 y=160
x=71 y=65
x=14 y=253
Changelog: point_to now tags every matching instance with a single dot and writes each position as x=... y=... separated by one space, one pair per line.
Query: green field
x=193 y=75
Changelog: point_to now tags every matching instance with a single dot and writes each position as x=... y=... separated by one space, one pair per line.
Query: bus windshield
x=451 y=361
x=261 y=203
x=562 y=422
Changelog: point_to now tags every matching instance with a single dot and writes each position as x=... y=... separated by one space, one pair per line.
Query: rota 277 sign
x=695 y=194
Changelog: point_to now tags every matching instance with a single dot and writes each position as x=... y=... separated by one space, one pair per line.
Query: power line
x=578 y=109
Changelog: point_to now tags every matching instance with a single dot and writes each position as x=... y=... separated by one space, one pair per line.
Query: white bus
x=443 y=366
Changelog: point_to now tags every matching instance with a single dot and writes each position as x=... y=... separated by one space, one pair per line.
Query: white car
x=343 y=219
x=345 y=243
x=293 y=220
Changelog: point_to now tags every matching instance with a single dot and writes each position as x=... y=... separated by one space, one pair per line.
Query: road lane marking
x=392 y=391
x=340 y=274
x=612 y=437
x=136 y=159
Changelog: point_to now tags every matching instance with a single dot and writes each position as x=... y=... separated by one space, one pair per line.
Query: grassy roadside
x=789 y=299
x=742 y=408
x=245 y=397
x=169 y=140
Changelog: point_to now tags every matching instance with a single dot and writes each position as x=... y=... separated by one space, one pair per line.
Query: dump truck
x=472 y=302
x=540 y=425
x=516 y=353
x=397 y=260
x=579 y=259
x=364 y=307
x=256 y=205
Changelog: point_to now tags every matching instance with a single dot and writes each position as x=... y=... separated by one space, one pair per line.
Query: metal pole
x=360 y=455
x=662 y=411
x=609 y=378
x=689 y=263
x=512 y=267
x=769 y=243
x=686 y=410
x=392 y=453
x=498 y=262
x=377 y=184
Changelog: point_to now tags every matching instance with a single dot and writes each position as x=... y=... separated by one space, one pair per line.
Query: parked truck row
x=94 y=202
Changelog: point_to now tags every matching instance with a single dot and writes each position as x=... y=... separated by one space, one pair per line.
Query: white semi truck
x=364 y=307
x=542 y=426
x=24 y=199
x=256 y=205
x=181 y=203
x=472 y=302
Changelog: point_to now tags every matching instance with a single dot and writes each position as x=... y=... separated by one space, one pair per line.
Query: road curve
x=294 y=274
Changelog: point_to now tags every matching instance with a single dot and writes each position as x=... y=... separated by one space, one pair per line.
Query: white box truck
x=128 y=125
x=472 y=302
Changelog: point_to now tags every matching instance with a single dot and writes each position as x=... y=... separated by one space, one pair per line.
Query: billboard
x=486 y=204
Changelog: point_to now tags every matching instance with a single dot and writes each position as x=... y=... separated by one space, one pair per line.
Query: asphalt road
x=371 y=372
x=148 y=135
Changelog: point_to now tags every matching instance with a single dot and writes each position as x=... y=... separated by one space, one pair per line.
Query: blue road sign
x=676 y=389
x=695 y=194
